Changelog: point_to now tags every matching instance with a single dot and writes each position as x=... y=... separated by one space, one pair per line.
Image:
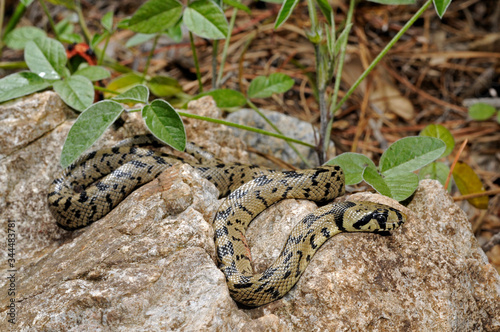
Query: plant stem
x=81 y=21
x=323 y=111
x=13 y=65
x=2 y=12
x=383 y=53
x=324 y=115
x=328 y=127
x=103 y=53
x=321 y=81
x=150 y=55
x=18 y=13
x=235 y=125
x=100 y=88
x=226 y=46
x=215 y=50
x=196 y=63
x=313 y=16
x=51 y=21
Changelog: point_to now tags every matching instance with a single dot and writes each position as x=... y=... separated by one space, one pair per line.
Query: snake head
x=373 y=217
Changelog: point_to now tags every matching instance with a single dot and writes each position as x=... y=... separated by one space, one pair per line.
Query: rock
x=218 y=139
x=23 y=121
x=30 y=159
x=290 y=126
x=31 y=155
x=142 y=266
x=370 y=282
x=150 y=263
x=26 y=167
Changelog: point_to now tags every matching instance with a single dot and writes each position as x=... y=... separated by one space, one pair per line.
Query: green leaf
x=165 y=123
x=353 y=165
x=326 y=9
x=285 y=12
x=45 y=57
x=137 y=94
x=402 y=185
x=435 y=171
x=76 y=91
x=263 y=87
x=139 y=38
x=225 y=98
x=205 y=19
x=97 y=39
x=237 y=4
x=341 y=39
x=481 y=111
x=409 y=154
x=330 y=40
x=441 y=6
x=64 y=27
x=124 y=23
x=155 y=16
x=439 y=131
x=18 y=37
x=20 y=84
x=498 y=117
x=468 y=182
x=164 y=86
x=89 y=126
x=65 y=31
x=374 y=179
x=398 y=186
x=107 y=21
x=175 y=32
x=395 y=2
x=93 y=73
x=125 y=82
x=71 y=38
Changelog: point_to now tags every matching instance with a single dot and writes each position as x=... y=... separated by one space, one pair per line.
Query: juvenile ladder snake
x=92 y=186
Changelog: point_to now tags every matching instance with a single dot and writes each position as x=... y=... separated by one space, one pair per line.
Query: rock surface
x=289 y=126
x=149 y=265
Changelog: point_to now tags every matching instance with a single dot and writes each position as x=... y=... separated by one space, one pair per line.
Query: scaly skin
x=92 y=186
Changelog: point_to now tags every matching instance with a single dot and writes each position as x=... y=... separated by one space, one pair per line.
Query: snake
x=97 y=181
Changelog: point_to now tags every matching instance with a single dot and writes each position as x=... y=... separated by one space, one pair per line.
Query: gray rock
x=289 y=126
x=428 y=275
x=32 y=130
x=149 y=265
x=23 y=121
x=141 y=267
x=30 y=157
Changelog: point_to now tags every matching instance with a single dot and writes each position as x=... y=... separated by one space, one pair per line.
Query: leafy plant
x=46 y=60
x=466 y=179
x=159 y=116
x=437 y=170
x=482 y=111
x=394 y=176
x=330 y=53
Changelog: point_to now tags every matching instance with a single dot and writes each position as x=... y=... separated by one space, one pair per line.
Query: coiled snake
x=93 y=185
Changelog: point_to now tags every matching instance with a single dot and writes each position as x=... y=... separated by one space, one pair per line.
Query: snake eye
x=380 y=217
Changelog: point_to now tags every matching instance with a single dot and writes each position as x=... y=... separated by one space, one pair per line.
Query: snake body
x=93 y=185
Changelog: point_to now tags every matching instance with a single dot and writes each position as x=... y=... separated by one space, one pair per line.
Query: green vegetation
x=48 y=66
